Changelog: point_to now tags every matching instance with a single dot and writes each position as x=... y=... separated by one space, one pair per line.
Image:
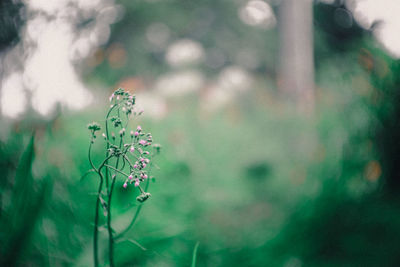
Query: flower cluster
x=93 y=128
x=129 y=153
x=126 y=100
x=138 y=148
x=128 y=159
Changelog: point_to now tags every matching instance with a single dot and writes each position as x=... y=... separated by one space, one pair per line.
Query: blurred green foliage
x=254 y=183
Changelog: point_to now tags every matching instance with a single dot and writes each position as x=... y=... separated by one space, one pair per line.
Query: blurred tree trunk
x=296 y=74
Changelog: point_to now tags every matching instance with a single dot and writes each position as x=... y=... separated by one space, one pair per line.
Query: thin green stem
x=109 y=227
x=119 y=171
x=194 y=256
x=134 y=217
x=96 y=225
x=96 y=216
x=108 y=143
x=89 y=155
x=129 y=162
x=104 y=163
x=132 y=223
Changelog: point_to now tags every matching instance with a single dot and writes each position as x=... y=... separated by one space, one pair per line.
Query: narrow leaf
x=194 y=257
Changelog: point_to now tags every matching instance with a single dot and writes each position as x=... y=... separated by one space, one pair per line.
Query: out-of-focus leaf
x=194 y=257
x=27 y=203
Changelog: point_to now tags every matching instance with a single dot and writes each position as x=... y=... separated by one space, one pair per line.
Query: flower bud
x=132 y=149
x=142 y=142
x=125 y=185
x=143 y=197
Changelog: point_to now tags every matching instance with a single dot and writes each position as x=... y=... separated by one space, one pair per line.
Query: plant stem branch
x=134 y=217
x=96 y=225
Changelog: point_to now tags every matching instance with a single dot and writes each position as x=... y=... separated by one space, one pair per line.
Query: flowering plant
x=128 y=156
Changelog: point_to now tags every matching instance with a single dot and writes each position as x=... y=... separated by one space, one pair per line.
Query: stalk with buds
x=128 y=158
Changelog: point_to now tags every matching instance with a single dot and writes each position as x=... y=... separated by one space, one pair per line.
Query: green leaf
x=194 y=257
x=27 y=204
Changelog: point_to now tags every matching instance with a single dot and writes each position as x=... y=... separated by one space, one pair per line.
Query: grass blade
x=194 y=257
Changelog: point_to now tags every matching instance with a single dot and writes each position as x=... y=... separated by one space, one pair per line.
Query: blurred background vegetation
x=245 y=169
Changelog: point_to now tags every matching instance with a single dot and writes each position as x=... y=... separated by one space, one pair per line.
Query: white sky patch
x=366 y=12
x=12 y=96
x=49 y=7
x=179 y=83
x=51 y=44
x=184 y=52
x=231 y=82
x=257 y=13
x=154 y=106
x=52 y=7
x=235 y=78
x=216 y=98
x=50 y=72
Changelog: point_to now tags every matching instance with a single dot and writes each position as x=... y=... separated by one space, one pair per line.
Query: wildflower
x=132 y=133
x=139 y=128
x=104 y=135
x=136 y=133
x=125 y=185
x=137 y=182
x=135 y=166
x=142 y=142
x=143 y=197
x=145 y=176
x=94 y=126
x=111 y=97
x=132 y=149
x=130 y=177
x=144 y=165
